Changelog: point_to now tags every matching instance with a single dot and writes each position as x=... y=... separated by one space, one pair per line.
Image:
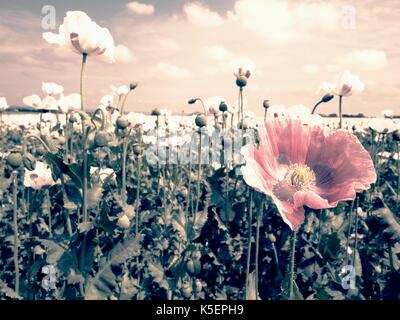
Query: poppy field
x=102 y=204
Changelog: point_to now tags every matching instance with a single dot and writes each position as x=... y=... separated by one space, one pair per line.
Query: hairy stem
x=292 y=273
x=249 y=235
x=15 y=227
x=84 y=57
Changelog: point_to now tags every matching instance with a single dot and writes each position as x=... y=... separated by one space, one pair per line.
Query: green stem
x=198 y=175
x=190 y=178
x=123 y=184
x=48 y=207
x=123 y=103
x=249 y=235
x=316 y=106
x=40 y=140
x=398 y=174
x=84 y=57
x=259 y=219
x=15 y=227
x=66 y=139
x=348 y=234
x=340 y=111
x=40 y=122
x=139 y=173
x=355 y=232
x=103 y=118
x=292 y=273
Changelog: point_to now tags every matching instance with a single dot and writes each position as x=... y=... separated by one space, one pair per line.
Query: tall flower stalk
x=292 y=262
x=84 y=58
x=15 y=228
x=249 y=235
x=340 y=111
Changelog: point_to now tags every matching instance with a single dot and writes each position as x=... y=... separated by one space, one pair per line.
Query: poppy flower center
x=300 y=176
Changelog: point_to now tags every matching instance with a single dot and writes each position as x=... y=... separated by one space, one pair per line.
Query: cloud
x=123 y=54
x=229 y=60
x=164 y=69
x=200 y=15
x=370 y=60
x=140 y=8
x=280 y=21
x=310 y=68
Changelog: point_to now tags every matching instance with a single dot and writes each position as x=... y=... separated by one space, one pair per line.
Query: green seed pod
x=40 y=151
x=271 y=237
x=156 y=112
x=101 y=139
x=122 y=122
x=198 y=285
x=223 y=107
x=396 y=135
x=190 y=266
x=72 y=119
x=29 y=161
x=266 y=104
x=186 y=290
x=241 y=81
x=196 y=255
x=14 y=159
x=201 y=120
x=165 y=244
x=137 y=150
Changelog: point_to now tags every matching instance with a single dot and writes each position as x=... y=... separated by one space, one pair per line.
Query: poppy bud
x=138 y=150
x=186 y=290
x=354 y=128
x=133 y=85
x=29 y=161
x=396 y=135
x=192 y=101
x=165 y=244
x=198 y=285
x=101 y=139
x=40 y=151
x=223 y=107
x=201 y=120
x=72 y=119
x=190 y=266
x=271 y=237
x=122 y=122
x=328 y=97
x=14 y=159
x=241 y=81
x=156 y=112
x=266 y=104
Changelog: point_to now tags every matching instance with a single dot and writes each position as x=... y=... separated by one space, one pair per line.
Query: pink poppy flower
x=306 y=165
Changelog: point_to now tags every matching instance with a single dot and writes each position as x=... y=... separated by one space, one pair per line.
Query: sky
x=177 y=50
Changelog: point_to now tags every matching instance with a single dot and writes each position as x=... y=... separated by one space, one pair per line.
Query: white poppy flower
x=345 y=84
x=38 y=178
x=107 y=101
x=34 y=101
x=382 y=125
x=70 y=102
x=120 y=91
x=3 y=103
x=52 y=89
x=83 y=36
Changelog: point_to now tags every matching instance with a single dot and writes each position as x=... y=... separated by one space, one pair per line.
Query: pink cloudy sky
x=189 y=49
